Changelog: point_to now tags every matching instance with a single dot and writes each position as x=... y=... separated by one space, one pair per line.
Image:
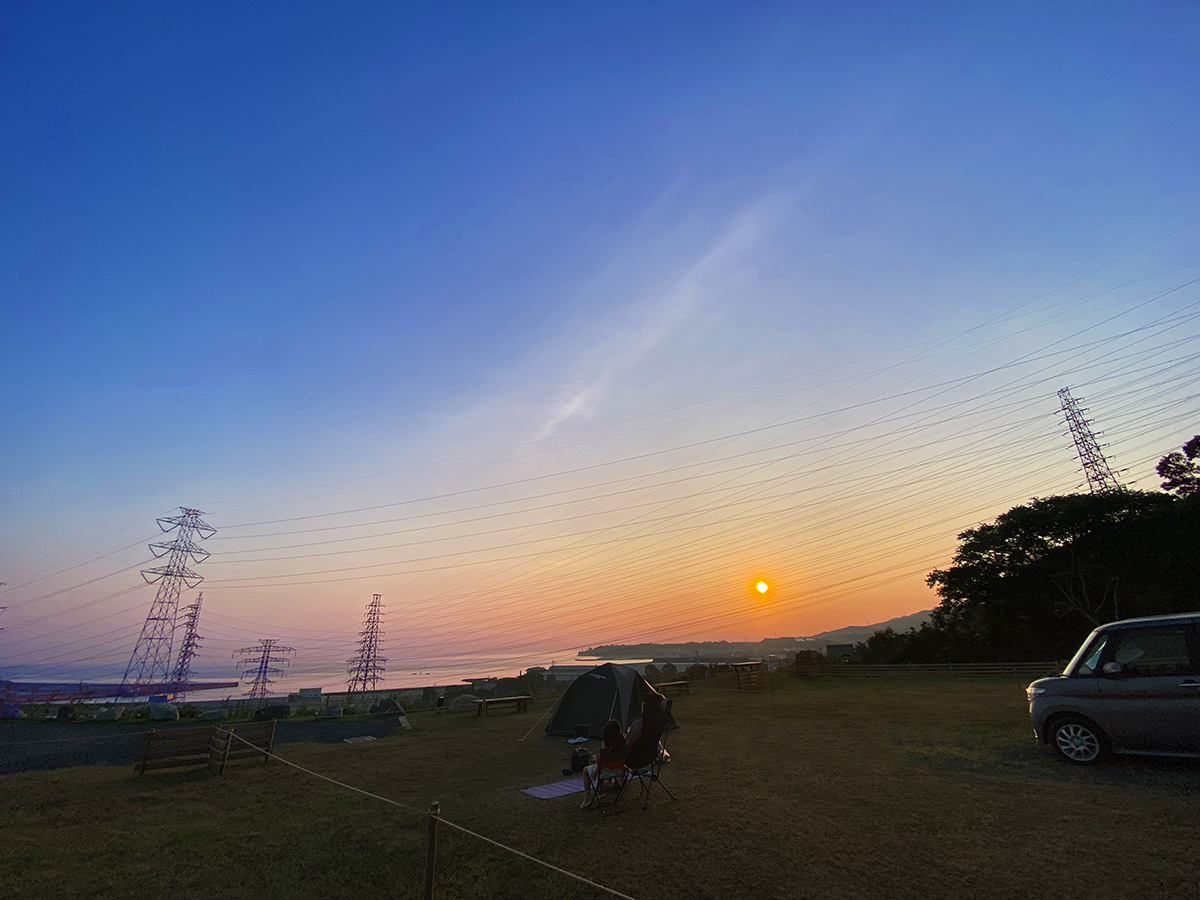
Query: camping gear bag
x=579 y=760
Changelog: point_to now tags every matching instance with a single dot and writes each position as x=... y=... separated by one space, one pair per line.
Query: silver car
x=1133 y=687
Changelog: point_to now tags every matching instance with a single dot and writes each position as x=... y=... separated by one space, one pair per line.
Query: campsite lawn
x=824 y=788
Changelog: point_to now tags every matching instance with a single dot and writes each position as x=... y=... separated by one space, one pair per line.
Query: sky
x=560 y=326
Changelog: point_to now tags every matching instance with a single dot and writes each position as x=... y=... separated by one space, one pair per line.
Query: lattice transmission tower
x=263 y=661
x=366 y=668
x=151 y=659
x=1096 y=470
x=191 y=643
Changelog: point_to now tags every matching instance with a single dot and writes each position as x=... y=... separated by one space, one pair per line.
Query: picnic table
x=521 y=703
x=673 y=687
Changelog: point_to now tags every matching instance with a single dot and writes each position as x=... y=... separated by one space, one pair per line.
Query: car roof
x=1190 y=618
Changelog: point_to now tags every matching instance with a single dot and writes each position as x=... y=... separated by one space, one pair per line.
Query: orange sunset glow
x=614 y=375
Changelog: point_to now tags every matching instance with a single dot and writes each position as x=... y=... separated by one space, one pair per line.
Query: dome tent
x=609 y=691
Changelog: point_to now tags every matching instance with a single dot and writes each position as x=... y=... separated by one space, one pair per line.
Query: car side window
x=1091 y=663
x=1152 y=651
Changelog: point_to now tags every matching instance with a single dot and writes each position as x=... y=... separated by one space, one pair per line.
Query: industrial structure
x=365 y=669
x=260 y=663
x=1096 y=470
x=187 y=650
x=150 y=662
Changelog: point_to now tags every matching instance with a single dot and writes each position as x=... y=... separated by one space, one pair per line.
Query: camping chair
x=609 y=782
x=644 y=760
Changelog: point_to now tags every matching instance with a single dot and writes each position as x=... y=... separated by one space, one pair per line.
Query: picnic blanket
x=556 y=789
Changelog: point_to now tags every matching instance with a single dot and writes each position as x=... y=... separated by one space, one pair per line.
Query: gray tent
x=609 y=691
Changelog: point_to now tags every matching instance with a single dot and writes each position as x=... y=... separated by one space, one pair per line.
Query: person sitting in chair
x=610 y=762
x=654 y=708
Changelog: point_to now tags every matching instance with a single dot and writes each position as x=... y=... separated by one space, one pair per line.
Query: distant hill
x=717 y=651
x=852 y=634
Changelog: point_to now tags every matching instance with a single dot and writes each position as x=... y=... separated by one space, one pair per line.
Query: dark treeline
x=1032 y=584
x=705 y=650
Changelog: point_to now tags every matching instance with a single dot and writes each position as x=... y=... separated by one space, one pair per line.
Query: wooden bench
x=170 y=747
x=521 y=703
x=673 y=687
x=207 y=744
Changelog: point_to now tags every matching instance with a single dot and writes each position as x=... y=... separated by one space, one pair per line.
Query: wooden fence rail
x=950 y=670
x=226 y=746
x=171 y=747
x=214 y=745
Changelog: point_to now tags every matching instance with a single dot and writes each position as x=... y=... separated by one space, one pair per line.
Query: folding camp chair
x=644 y=760
x=610 y=782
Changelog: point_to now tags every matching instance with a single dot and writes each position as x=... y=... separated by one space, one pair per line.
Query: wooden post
x=431 y=849
x=227 y=737
x=145 y=752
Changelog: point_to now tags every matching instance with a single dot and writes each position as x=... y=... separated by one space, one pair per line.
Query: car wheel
x=1077 y=740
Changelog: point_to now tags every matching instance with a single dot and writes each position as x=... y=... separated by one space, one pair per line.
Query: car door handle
x=1194 y=684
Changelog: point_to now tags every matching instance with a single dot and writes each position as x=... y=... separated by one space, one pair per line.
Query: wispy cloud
x=648 y=324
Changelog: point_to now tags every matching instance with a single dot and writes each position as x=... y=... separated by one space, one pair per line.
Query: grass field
x=824 y=788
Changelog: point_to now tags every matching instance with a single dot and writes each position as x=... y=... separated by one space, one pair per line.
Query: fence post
x=141 y=767
x=951 y=665
x=431 y=849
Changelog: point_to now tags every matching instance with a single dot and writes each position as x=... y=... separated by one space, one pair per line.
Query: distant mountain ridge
x=852 y=634
x=708 y=651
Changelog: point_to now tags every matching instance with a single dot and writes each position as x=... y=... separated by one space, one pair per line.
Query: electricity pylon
x=1096 y=470
x=261 y=661
x=150 y=662
x=191 y=643
x=367 y=666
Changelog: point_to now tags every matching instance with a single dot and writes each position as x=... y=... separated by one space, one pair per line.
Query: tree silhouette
x=1179 y=471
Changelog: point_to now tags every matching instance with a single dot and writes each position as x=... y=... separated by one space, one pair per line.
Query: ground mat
x=557 y=789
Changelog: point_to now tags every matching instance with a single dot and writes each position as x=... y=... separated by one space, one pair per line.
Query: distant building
x=560 y=674
x=485 y=683
x=839 y=651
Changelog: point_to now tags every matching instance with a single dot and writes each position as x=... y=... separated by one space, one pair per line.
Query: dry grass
x=828 y=789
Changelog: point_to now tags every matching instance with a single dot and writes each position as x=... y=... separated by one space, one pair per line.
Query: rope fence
x=435 y=818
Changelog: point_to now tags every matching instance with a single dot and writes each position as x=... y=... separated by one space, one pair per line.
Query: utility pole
x=366 y=667
x=187 y=650
x=150 y=662
x=260 y=662
x=1096 y=470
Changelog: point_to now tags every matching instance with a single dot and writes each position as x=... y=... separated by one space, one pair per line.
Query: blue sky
x=247 y=249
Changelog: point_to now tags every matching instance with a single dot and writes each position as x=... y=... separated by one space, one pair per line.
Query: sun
x=761 y=587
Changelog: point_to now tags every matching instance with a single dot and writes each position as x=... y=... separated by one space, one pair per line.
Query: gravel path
x=54 y=745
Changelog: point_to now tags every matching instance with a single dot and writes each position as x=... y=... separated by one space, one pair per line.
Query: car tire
x=1078 y=740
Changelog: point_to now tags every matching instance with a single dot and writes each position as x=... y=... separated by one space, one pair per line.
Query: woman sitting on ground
x=610 y=761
